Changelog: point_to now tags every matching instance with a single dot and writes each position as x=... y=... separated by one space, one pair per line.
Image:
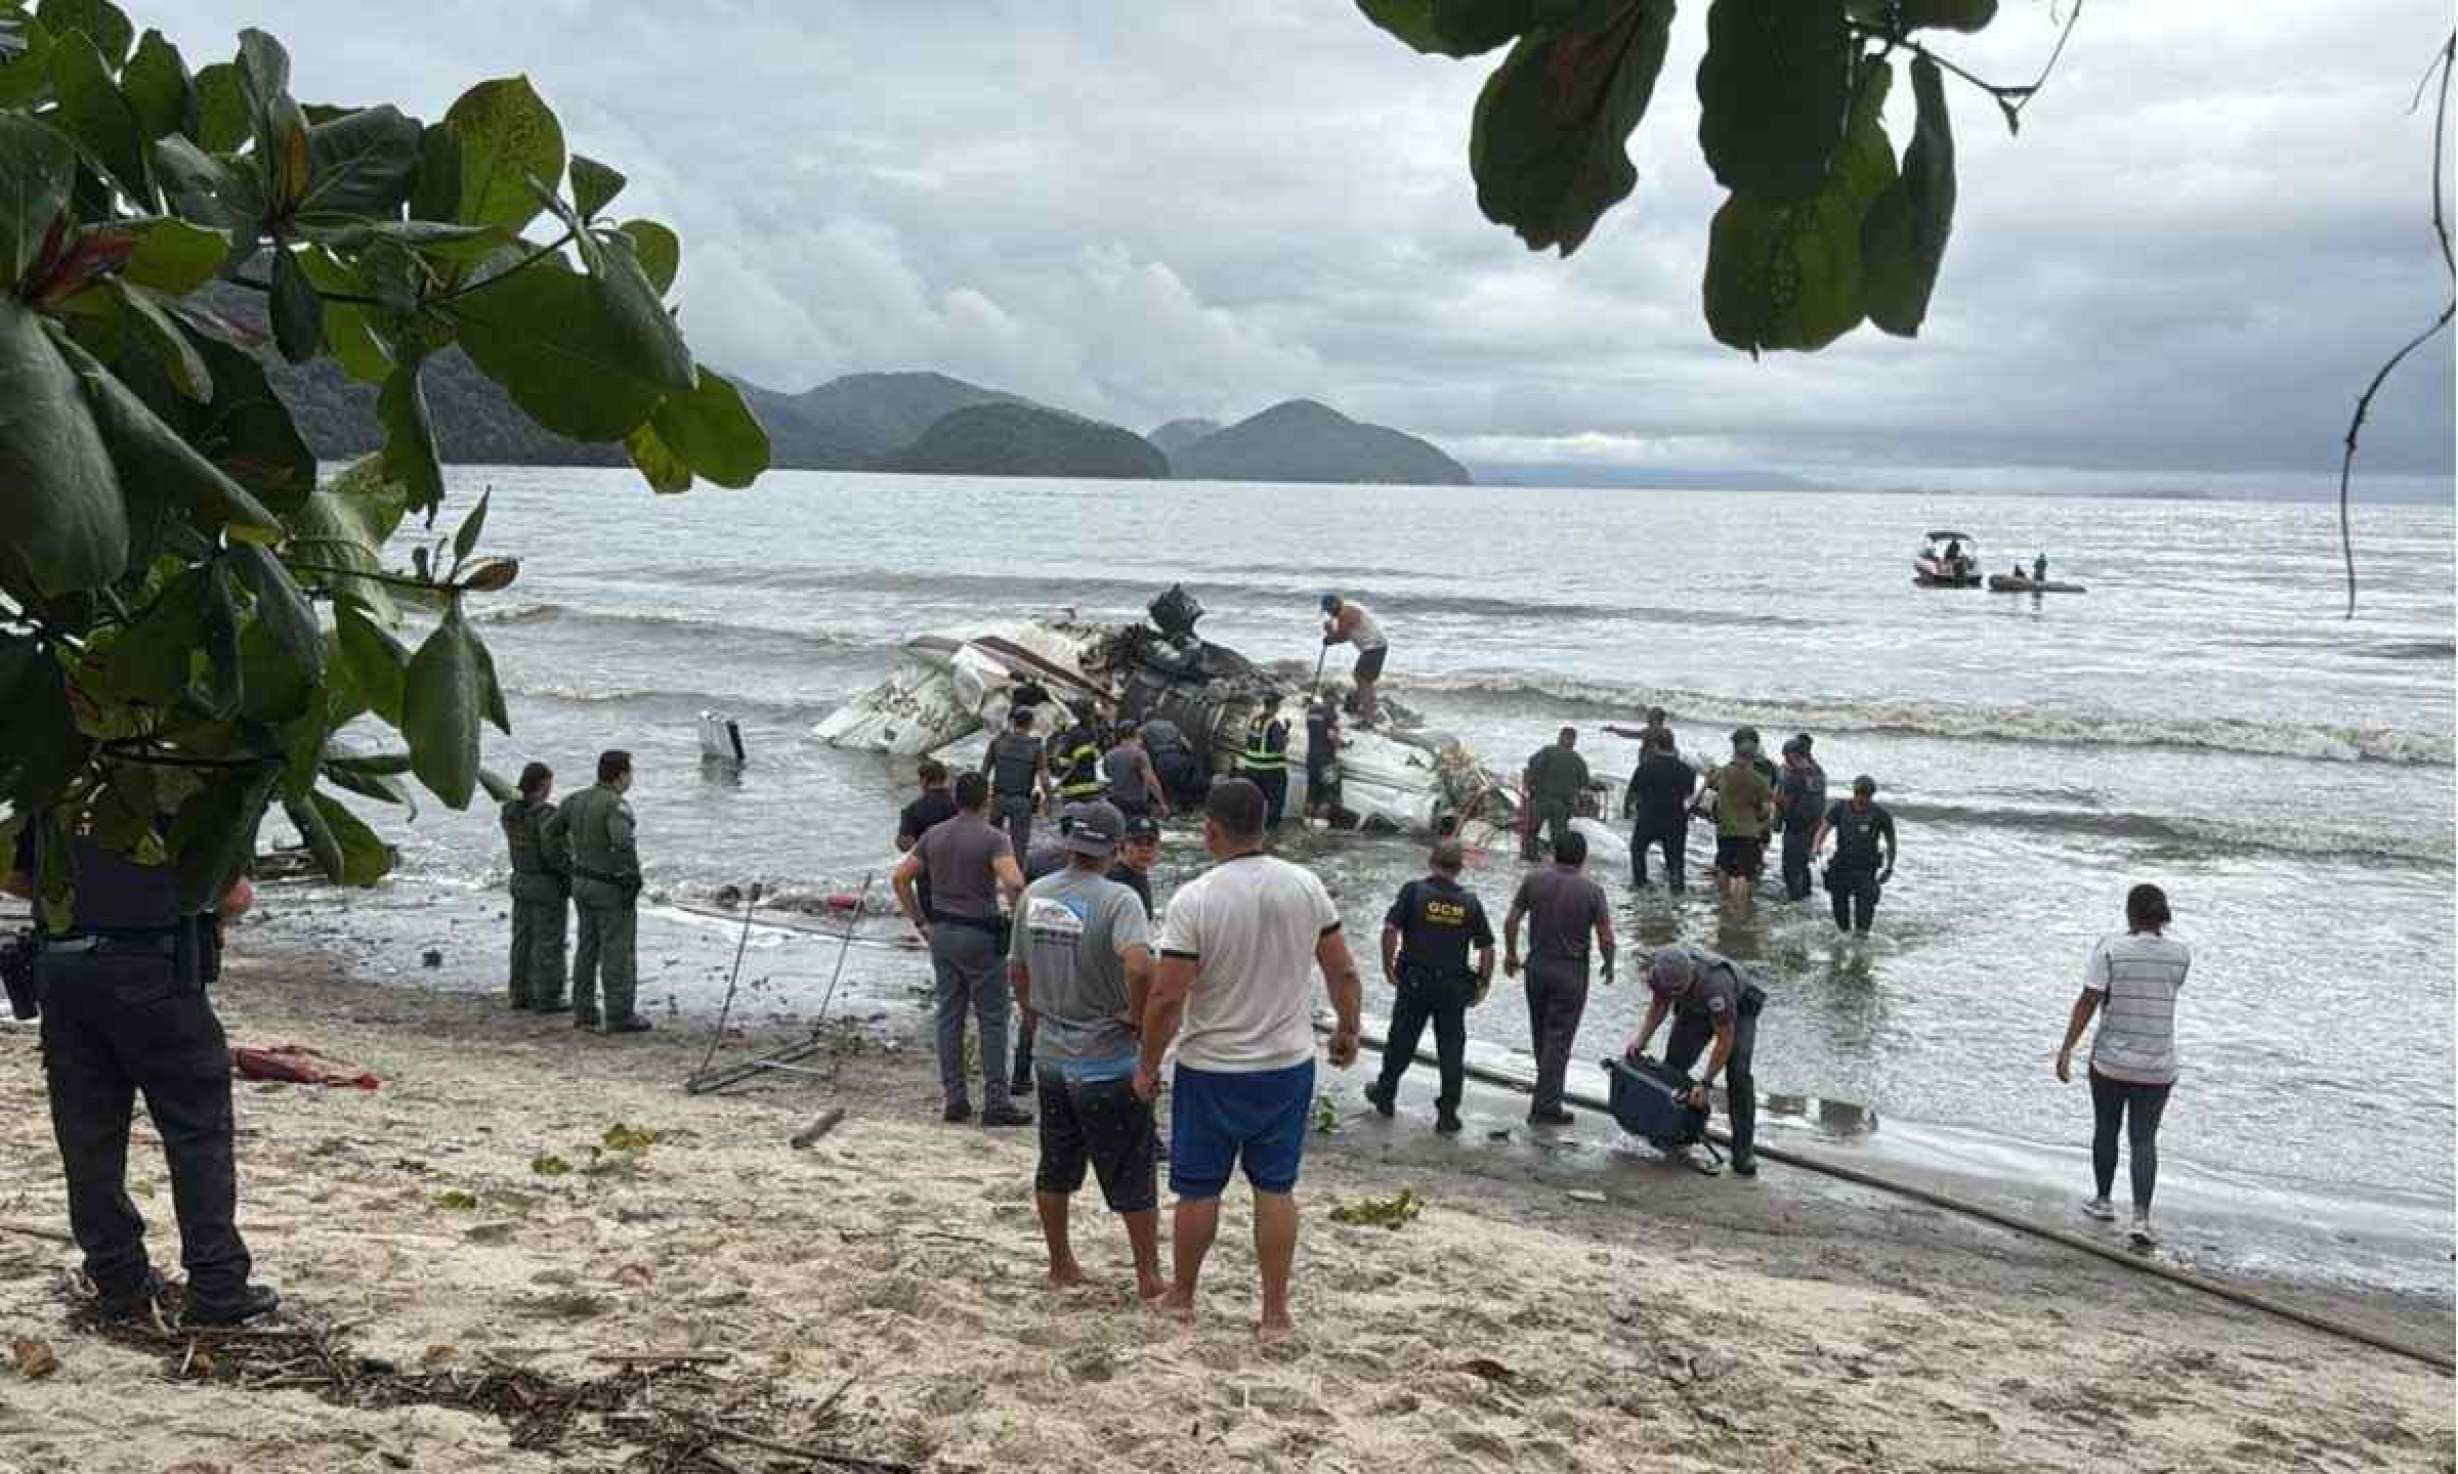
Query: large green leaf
x=348 y=330
x=296 y=309
x=361 y=163
x=442 y=703
x=377 y=663
x=221 y=109
x=25 y=75
x=507 y=136
x=159 y=90
x=172 y=256
x=365 y=858
x=1454 y=27
x=1546 y=149
x=103 y=22
x=1787 y=273
x=1903 y=241
x=660 y=253
x=410 y=456
x=594 y=185
x=96 y=113
x=1773 y=89
x=281 y=607
x=208 y=188
x=247 y=429
x=666 y=472
x=37 y=168
x=148 y=451
x=220 y=690
x=63 y=526
x=214 y=835
x=178 y=359
x=643 y=331
x=343 y=525
x=38 y=731
x=714 y=432
x=273 y=689
x=152 y=660
x=370 y=776
x=544 y=334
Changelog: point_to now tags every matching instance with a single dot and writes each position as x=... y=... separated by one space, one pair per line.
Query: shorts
x=1370 y=663
x=1098 y=1123
x=1740 y=854
x=1219 y=1120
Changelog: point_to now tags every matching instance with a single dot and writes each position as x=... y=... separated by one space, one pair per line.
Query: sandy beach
x=878 y=1297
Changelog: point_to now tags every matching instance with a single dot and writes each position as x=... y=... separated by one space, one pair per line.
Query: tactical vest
x=1079 y=762
x=522 y=820
x=1014 y=761
x=1261 y=756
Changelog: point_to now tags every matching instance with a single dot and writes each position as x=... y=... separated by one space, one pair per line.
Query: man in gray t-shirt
x=1080 y=961
x=1565 y=910
x=970 y=865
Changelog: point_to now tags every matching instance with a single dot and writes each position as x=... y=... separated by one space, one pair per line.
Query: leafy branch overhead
x=1822 y=228
x=191 y=626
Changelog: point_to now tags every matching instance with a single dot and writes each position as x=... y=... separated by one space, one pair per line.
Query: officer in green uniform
x=1556 y=776
x=541 y=883
x=1265 y=763
x=1075 y=762
x=597 y=824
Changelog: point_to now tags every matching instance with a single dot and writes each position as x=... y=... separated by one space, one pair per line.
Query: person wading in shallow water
x=2131 y=983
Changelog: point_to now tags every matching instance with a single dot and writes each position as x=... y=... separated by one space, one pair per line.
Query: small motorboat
x=1948 y=560
x=2023 y=583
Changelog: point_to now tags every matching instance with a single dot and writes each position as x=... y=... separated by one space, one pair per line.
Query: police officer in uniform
x=540 y=884
x=1857 y=875
x=1017 y=773
x=597 y=823
x=1800 y=803
x=1427 y=935
x=121 y=980
x=1265 y=763
x=1713 y=1000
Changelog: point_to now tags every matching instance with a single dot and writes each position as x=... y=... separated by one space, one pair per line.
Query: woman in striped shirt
x=2131 y=982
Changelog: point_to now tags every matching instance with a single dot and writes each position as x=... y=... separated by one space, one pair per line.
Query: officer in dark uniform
x=541 y=884
x=1714 y=1003
x=1074 y=762
x=1858 y=873
x=1014 y=766
x=1265 y=763
x=1322 y=758
x=121 y=979
x=1427 y=935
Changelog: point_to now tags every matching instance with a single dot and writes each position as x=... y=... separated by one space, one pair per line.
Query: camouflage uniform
x=541 y=881
x=597 y=824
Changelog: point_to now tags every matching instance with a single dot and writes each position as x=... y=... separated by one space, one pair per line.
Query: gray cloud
x=2210 y=230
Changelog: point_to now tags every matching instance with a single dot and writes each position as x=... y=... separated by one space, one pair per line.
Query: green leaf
x=506 y=135
x=247 y=430
x=473 y=526
x=1452 y=27
x=104 y=24
x=410 y=457
x=38 y=731
x=172 y=256
x=660 y=253
x=490 y=690
x=264 y=72
x=282 y=609
x=436 y=195
x=666 y=472
x=362 y=163
x=221 y=109
x=207 y=188
x=98 y=116
x=1916 y=15
x=377 y=663
x=498 y=787
x=371 y=777
x=273 y=689
x=1546 y=148
x=159 y=90
x=150 y=661
x=321 y=842
x=214 y=835
x=223 y=686
x=365 y=858
x=63 y=525
x=348 y=333
x=544 y=334
x=181 y=364
x=1903 y=242
x=713 y=432
x=37 y=169
x=1787 y=274
x=594 y=185
x=298 y=313
x=26 y=75
x=1773 y=89
x=344 y=525
x=443 y=700
x=644 y=332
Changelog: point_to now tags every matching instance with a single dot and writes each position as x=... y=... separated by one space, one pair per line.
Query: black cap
x=1143 y=826
x=1864 y=784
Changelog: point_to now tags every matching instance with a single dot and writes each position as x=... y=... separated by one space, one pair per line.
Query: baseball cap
x=1143 y=826
x=1864 y=784
x=1094 y=829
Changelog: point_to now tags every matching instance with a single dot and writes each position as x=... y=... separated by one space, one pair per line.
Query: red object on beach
x=844 y=901
x=297 y=1064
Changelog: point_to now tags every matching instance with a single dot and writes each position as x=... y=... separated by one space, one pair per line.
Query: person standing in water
x=1345 y=621
x=1862 y=829
x=1555 y=777
x=2131 y=983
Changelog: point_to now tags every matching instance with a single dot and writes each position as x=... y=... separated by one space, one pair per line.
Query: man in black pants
x=1658 y=806
x=1856 y=877
x=122 y=992
x=1427 y=935
x=1800 y=804
x=1711 y=997
x=1563 y=908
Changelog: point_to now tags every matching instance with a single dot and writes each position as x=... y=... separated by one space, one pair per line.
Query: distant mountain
x=853 y=422
x=1018 y=439
x=1300 y=440
x=1177 y=435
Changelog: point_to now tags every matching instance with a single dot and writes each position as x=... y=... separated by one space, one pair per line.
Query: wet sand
x=1657 y=1320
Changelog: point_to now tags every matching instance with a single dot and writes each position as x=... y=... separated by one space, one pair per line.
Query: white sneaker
x=2142 y=1234
x=2098 y=1208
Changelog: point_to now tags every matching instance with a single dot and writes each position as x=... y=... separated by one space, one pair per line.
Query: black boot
x=247 y=1305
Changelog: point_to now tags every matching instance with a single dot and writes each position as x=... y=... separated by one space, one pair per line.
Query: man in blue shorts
x=1235 y=989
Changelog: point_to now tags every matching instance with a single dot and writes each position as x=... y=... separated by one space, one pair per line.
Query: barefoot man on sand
x=1237 y=951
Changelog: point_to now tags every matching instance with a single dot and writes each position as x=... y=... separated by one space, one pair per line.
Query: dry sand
x=1701 y=1325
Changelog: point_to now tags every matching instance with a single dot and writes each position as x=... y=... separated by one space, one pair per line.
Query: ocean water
x=2203 y=718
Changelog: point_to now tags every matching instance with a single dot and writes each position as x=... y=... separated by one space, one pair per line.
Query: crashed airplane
x=1397 y=775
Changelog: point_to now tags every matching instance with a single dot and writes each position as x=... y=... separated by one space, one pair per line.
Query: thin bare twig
x=2011 y=98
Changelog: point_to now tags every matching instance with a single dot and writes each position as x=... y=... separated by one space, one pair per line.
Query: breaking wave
x=2190 y=836
x=2319 y=741
x=731 y=630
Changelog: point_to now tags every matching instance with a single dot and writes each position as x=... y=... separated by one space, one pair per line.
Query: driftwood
x=827 y=1122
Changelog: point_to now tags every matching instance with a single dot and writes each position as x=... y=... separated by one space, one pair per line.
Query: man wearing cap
x=1427 y=936
x=1018 y=769
x=1564 y=909
x=1658 y=808
x=1345 y=621
x=1555 y=778
x=1800 y=802
x=1744 y=799
x=1857 y=875
x=1080 y=961
x=1711 y=997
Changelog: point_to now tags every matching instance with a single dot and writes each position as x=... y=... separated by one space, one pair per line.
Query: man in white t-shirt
x=1235 y=990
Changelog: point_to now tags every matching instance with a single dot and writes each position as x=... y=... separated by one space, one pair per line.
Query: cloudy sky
x=2213 y=226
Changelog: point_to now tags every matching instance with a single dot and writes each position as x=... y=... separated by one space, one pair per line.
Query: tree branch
x=348 y=299
x=532 y=259
x=2012 y=98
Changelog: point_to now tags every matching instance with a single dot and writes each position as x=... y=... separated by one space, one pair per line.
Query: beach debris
x=547 y=1164
x=1487 y=1368
x=636 y=1276
x=828 y=1121
x=1389 y=1212
x=33 y=1359
x=457 y=1200
x=1326 y=1115
x=297 y=1064
x=1586 y=1195
x=622 y=1138
x=433 y=957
